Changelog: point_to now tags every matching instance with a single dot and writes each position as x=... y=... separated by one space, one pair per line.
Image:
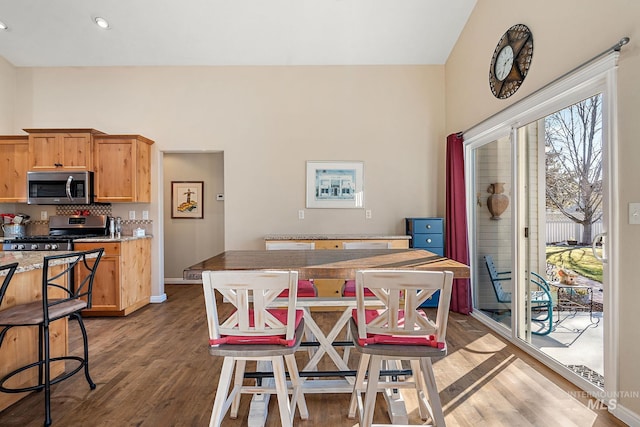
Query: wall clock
x=511 y=61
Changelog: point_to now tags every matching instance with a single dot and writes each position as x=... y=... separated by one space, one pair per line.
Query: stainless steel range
x=63 y=230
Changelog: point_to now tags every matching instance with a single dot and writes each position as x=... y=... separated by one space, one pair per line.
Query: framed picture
x=186 y=199
x=335 y=184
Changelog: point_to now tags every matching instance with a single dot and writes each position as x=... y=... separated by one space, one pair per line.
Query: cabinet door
x=43 y=152
x=123 y=169
x=14 y=163
x=75 y=151
x=106 y=284
x=115 y=168
x=60 y=151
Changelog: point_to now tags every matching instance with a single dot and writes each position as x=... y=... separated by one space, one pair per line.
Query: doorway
x=187 y=240
x=515 y=155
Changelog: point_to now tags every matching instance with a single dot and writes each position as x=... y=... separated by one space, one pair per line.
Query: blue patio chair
x=539 y=300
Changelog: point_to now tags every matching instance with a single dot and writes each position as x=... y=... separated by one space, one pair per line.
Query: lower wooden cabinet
x=123 y=281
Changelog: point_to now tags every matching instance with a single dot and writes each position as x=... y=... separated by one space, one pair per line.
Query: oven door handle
x=68 y=187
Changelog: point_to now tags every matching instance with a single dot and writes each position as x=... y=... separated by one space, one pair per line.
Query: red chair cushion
x=426 y=340
x=349 y=289
x=306 y=289
x=278 y=313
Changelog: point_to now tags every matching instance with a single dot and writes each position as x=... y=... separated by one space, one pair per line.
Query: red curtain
x=457 y=243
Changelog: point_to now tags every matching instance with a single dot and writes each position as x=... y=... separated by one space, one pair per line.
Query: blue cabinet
x=427 y=234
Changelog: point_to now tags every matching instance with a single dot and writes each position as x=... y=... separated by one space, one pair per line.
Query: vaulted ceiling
x=42 y=33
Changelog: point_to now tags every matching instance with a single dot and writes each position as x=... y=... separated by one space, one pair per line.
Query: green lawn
x=578 y=259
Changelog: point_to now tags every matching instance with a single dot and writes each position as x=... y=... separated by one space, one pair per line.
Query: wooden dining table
x=327 y=264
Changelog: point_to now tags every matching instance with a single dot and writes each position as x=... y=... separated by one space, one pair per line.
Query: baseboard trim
x=157 y=299
x=180 y=281
x=626 y=415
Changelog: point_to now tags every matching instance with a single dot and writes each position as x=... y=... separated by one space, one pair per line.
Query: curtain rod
x=615 y=48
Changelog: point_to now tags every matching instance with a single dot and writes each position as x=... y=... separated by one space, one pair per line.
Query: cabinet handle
x=428 y=226
x=428 y=240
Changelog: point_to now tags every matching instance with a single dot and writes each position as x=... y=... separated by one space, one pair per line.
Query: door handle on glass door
x=600 y=236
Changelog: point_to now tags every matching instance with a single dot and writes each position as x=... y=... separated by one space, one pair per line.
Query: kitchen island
x=20 y=344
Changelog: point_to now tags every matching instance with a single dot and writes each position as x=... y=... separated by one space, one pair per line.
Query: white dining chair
x=400 y=331
x=256 y=332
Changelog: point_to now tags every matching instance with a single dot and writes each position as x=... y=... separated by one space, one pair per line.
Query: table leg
x=326 y=342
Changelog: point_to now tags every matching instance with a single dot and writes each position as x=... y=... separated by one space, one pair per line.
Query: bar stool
x=66 y=291
x=7 y=271
x=255 y=332
x=400 y=331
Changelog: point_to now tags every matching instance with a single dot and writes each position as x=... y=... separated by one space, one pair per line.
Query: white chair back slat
x=404 y=290
x=251 y=293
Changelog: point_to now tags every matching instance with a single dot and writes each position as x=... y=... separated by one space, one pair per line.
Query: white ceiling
x=230 y=32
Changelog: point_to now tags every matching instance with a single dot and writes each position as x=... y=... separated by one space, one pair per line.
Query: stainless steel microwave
x=60 y=187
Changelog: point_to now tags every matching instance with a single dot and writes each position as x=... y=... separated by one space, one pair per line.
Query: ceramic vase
x=497 y=202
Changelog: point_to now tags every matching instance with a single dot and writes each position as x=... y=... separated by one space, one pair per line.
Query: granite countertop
x=108 y=239
x=334 y=237
x=30 y=260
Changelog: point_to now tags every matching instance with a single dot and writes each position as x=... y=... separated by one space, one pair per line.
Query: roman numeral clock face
x=511 y=61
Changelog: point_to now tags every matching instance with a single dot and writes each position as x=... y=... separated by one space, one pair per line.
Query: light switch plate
x=634 y=213
x=301 y=214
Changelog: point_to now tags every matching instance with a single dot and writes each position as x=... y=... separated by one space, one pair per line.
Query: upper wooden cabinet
x=14 y=163
x=59 y=149
x=122 y=165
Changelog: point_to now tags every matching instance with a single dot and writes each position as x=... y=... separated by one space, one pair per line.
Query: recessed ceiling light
x=3 y=26
x=101 y=22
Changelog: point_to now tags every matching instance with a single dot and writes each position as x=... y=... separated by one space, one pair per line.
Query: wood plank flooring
x=152 y=368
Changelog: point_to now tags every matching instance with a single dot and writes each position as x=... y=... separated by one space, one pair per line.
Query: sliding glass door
x=539 y=194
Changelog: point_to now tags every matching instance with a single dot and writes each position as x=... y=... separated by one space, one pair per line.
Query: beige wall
x=7 y=96
x=268 y=121
x=566 y=34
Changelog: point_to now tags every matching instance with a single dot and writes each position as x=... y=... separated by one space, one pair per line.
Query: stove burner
x=63 y=230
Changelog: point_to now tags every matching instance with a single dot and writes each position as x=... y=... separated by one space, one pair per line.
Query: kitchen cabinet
x=122 y=168
x=14 y=163
x=60 y=149
x=122 y=283
x=427 y=234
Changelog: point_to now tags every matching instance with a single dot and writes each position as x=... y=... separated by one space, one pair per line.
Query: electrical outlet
x=132 y=214
x=44 y=215
x=301 y=214
x=145 y=214
x=634 y=213
x=367 y=214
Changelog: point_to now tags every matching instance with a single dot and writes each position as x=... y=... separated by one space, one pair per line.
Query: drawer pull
x=428 y=226
x=428 y=240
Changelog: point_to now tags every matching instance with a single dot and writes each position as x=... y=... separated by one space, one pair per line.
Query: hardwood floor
x=152 y=368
